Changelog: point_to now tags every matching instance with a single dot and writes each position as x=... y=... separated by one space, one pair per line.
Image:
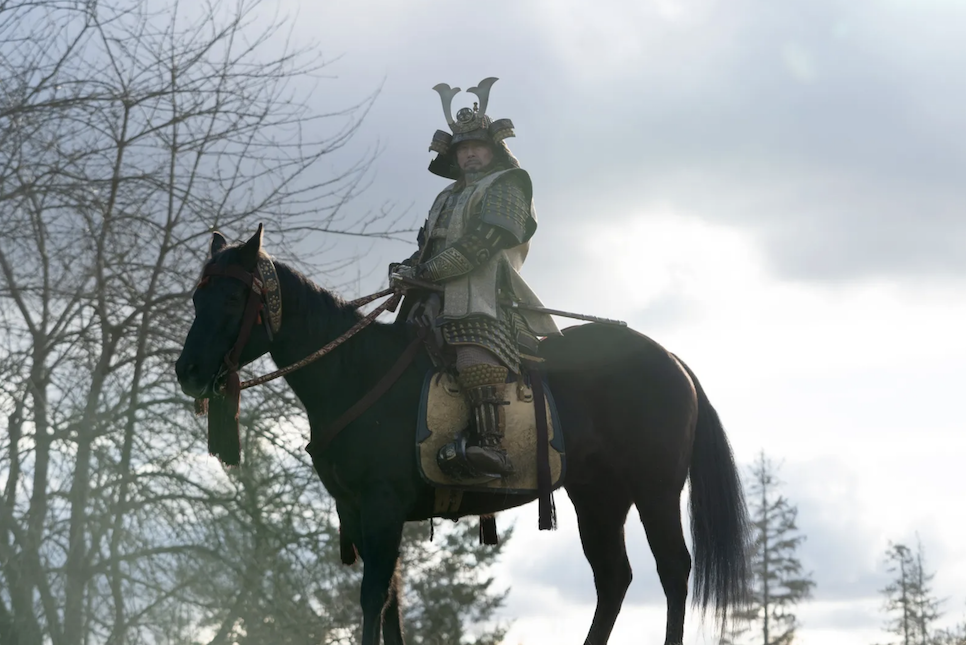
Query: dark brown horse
x=635 y=420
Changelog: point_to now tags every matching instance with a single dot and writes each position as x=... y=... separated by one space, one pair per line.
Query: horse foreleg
x=382 y=526
x=392 y=633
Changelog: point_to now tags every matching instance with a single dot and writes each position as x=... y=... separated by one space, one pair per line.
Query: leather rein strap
x=325 y=437
x=389 y=305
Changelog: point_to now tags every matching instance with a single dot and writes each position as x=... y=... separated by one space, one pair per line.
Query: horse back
x=624 y=400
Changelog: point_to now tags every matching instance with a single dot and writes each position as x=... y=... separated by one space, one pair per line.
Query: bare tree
x=129 y=131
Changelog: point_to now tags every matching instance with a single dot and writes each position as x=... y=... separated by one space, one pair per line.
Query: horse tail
x=719 y=517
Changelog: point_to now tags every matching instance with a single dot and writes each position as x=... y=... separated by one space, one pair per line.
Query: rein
x=389 y=305
x=223 y=438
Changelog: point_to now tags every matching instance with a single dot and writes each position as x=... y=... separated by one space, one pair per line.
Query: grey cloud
x=664 y=313
x=836 y=549
x=831 y=131
x=853 y=172
x=845 y=553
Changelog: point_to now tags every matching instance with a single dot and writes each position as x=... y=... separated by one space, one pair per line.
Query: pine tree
x=779 y=581
x=953 y=636
x=450 y=595
x=909 y=599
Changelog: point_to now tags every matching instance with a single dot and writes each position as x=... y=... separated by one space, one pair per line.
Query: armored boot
x=484 y=387
x=488 y=422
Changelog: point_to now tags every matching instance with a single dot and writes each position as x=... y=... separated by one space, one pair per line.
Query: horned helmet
x=469 y=124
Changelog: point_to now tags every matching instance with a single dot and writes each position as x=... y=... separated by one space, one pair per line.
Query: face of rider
x=474 y=155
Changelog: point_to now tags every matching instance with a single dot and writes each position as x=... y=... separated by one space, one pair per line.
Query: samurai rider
x=471 y=248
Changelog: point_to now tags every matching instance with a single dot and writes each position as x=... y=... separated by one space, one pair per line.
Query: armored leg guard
x=487 y=419
x=485 y=388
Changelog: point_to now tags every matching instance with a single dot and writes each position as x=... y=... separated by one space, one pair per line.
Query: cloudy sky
x=772 y=190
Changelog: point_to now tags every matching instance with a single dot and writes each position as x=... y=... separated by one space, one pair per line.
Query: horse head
x=221 y=300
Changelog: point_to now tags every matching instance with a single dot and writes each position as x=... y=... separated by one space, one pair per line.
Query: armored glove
x=399 y=270
x=395 y=266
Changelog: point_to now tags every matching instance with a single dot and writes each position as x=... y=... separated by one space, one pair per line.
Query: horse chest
x=334 y=479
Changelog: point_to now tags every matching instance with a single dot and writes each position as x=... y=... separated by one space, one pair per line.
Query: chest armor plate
x=443 y=223
x=477 y=292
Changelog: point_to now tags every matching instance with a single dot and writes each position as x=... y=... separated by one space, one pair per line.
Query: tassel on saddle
x=488 y=533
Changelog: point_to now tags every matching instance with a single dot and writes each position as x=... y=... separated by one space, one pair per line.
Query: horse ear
x=218 y=242
x=249 y=252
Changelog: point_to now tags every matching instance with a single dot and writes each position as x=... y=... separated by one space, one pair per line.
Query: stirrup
x=453 y=461
x=488 y=452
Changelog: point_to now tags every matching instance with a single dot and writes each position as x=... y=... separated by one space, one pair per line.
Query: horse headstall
x=271 y=293
x=263 y=281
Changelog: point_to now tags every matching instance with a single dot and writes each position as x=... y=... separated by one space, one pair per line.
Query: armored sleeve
x=504 y=221
x=506 y=205
x=465 y=254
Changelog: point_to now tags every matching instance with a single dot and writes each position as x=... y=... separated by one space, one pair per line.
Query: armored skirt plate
x=444 y=412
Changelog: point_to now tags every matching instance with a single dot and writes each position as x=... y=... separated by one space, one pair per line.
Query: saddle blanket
x=444 y=412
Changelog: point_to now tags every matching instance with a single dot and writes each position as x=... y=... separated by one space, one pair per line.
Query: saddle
x=444 y=412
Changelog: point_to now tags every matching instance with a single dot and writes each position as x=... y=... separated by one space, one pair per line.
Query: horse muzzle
x=194 y=382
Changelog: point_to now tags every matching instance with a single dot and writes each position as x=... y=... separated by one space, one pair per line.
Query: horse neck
x=312 y=318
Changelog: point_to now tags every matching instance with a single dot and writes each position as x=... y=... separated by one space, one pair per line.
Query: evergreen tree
x=953 y=636
x=450 y=597
x=910 y=603
x=778 y=582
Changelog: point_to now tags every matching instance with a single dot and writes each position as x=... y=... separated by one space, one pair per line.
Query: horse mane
x=328 y=310
x=310 y=298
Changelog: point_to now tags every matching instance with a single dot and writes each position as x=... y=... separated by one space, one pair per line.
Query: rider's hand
x=394 y=266
x=398 y=274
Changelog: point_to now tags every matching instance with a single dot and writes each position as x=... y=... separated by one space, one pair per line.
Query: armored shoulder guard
x=506 y=205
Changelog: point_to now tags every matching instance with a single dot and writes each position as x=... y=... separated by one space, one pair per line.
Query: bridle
x=252 y=314
x=264 y=293
x=222 y=411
